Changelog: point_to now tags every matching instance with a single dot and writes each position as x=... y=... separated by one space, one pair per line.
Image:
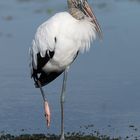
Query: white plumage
x=64 y=35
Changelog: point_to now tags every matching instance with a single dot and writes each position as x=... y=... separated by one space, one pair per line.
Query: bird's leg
x=62 y=99
x=46 y=105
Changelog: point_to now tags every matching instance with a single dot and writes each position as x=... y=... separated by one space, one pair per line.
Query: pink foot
x=47 y=113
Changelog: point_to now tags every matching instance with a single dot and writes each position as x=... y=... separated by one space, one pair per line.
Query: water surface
x=103 y=84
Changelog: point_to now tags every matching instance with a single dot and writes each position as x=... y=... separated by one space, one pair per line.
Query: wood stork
x=57 y=43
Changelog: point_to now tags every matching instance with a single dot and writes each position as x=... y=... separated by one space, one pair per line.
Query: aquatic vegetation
x=49 y=10
x=102 y=5
x=69 y=136
x=43 y=10
x=8 y=18
x=25 y=1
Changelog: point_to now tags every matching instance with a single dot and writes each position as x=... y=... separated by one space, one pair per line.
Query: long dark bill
x=89 y=12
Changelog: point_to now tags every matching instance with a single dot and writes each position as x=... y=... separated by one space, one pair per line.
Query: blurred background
x=103 y=84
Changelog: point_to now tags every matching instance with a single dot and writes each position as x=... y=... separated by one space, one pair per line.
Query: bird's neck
x=75 y=12
x=70 y=4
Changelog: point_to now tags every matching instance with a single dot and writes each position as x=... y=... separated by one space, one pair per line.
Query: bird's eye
x=82 y=2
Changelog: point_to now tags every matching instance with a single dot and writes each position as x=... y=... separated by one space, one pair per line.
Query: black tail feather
x=46 y=78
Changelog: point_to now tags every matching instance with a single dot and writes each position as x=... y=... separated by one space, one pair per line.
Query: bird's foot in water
x=47 y=113
x=62 y=136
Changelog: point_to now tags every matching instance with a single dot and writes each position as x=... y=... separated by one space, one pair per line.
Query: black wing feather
x=38 y=74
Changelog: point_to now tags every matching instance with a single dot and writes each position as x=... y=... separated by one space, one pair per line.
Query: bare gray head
x=73 y=3
x=80 y=9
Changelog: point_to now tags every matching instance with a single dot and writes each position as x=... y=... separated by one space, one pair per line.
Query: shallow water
x=103 y=84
